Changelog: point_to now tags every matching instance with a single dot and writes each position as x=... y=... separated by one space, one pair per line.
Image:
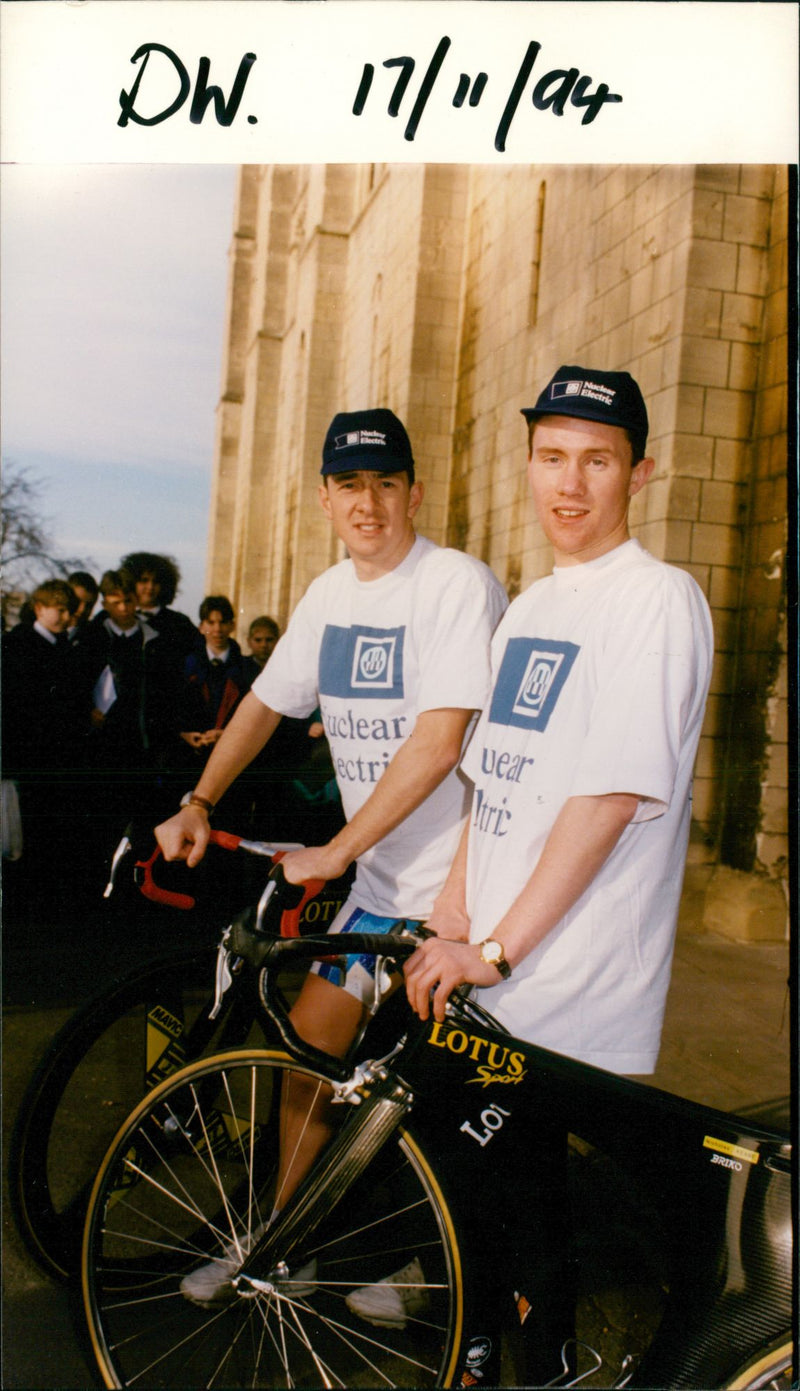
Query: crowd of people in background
x=112 y=703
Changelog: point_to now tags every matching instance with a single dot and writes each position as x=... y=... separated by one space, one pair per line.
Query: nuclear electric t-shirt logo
x=362 y=662
x=532 y=674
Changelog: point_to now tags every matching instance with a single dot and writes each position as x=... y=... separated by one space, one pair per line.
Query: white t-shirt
x=374 y=655
x=600 y=676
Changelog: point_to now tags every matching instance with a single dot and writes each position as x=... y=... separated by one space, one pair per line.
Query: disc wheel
x=190 y=1179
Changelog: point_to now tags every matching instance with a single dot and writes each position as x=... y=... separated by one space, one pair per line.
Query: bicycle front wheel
x=190 y=1180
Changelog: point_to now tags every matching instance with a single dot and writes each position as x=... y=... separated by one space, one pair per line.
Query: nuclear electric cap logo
x=540 y=673
x=373 y=662
x=596 y=391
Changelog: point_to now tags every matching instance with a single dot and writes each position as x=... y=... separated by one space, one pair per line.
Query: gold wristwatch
x=491 y=952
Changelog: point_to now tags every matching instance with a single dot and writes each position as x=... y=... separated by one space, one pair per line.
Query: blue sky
x=113 y=299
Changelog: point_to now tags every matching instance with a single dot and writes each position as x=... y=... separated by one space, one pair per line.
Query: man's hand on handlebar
x=184 y=836
x=441 y=966
x=313 y=862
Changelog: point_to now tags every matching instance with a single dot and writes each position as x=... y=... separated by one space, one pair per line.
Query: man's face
x=85 y=603
x=54 y=617
x=217 y=631
x=121 y=609
x=262 y=644
x=147 y=590
x=372 y=513
x=582 y=482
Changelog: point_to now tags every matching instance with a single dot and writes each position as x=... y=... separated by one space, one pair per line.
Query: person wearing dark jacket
x=41 y=743
x=215 y=678
x=156 y=578
x=132 y=688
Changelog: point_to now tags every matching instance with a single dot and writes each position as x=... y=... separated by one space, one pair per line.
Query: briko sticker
x=732 y=1151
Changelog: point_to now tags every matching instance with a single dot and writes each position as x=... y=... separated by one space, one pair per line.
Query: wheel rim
x=167 y=1203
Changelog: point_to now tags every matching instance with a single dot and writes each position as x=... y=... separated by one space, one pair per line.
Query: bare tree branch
x=27 y=551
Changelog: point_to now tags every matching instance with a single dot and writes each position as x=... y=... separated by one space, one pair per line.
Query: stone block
x=726 y=627
x=678 y=550
x=723 y=592
x=677 y=408
x=708 y=206
x=704 y=800
x=704 y=763
x=727 y=413
x=685 y=499
x=723 y=177
x=721 y=502
x=742 y=318
x=702 y=311
x=746 y=220
x=702 y=574
x=712 y=265
x=705 y=361
x=693 y=456
x=712 y=544
x=758 y=180
x=730 y=460
x=743 y=370
x=745 y=907
x=772 y=411
x=751 y=274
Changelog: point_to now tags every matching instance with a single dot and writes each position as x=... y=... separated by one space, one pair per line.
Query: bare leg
x=329 y=1018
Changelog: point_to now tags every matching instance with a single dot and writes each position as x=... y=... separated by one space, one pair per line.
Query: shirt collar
x=44 y=632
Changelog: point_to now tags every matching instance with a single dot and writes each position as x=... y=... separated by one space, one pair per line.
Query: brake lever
x=224 y=973
x=125 y=845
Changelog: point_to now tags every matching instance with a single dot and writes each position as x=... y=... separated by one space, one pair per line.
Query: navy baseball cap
x=373 y=439
x=611 y=397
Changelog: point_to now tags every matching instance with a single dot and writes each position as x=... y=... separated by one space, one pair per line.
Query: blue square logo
x=530 y=680
x=361 y=662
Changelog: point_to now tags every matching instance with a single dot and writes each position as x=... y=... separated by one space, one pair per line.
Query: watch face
x=491 y=952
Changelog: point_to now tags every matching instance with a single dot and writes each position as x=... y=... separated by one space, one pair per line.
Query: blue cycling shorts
x=356 y=974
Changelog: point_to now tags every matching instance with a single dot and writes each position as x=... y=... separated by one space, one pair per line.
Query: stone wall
x=450 y=294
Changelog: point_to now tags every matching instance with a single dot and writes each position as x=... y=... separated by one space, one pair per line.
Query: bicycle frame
x=719 y=1184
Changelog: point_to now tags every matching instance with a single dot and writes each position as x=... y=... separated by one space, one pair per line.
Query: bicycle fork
x=344 y=1160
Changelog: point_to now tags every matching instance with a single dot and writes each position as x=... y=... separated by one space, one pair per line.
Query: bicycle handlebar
x=143 y=874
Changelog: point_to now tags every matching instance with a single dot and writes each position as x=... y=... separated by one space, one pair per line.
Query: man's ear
x=324 y=500
x=415 y=496
x=640 y=474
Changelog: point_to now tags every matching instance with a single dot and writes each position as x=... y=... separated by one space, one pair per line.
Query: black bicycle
x=430 y=1117
x=122 y=1043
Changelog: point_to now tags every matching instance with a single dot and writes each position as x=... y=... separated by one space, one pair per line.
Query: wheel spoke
x=177 y=1209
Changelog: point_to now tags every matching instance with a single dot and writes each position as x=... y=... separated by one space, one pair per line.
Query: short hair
x=637 y=444
x=117 y=582
x=217 y=603
x=163 y=568
x=55 y=592
x=85 y=580
x=264 y=622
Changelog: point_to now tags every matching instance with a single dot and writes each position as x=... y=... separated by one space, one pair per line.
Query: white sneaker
x=391 y=1302
x=302 y=1284
x=211 y=1283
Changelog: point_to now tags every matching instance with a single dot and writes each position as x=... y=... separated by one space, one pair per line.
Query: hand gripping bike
x=437 y=1125
x=139 y=1029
